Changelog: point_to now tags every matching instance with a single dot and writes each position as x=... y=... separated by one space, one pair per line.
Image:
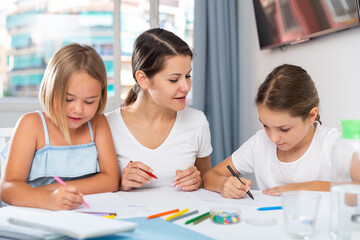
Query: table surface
x=151 y=201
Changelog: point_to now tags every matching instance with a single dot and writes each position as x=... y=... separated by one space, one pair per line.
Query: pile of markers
x=182 y=214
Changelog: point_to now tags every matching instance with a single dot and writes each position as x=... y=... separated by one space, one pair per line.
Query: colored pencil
x=149 y=173
x=201 y=219
x=196 y=218
x=177 y=214
x=64 y=184
x=162 y=214
x=184 y=215
x=234 y=174
x=269 y=208
x=100 y=213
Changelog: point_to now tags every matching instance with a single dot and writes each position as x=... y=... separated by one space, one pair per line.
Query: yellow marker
x=110 y=216
x=177 y=214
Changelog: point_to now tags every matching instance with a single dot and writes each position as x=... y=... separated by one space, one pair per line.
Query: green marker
x=197 y=218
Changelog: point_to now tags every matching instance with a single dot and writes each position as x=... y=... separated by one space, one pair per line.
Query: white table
x=154 y=201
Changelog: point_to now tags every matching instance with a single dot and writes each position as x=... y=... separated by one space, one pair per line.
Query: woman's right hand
x=134 y=175
x=65 y=198
x=233 y=188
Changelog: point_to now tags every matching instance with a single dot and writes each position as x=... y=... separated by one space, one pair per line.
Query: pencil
x=234 y=174
x=269 y=208
x=177 y=214
x=64 y=184
x=201 y=219
x=196 y=218
x=149 y=173
x=184 y=215
x=162 y=214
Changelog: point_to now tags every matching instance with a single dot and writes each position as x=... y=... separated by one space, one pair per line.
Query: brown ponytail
x=289 y=88
x=318 y=119
x=132 y=95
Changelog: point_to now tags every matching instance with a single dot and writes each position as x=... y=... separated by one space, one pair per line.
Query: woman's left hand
x=188 y=179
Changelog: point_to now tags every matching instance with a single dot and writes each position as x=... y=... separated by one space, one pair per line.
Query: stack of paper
x=50 y=225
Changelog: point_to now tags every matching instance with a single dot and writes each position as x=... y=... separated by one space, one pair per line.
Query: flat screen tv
x=284 y=22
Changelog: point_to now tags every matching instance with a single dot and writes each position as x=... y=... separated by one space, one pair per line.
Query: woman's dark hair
x=289 y=88
x=150 y=51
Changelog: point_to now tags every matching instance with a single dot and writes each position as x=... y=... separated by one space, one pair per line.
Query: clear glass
x=300 y=211
x=345 y=190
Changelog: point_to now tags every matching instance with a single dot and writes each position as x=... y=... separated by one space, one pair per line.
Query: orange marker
x=162 y=214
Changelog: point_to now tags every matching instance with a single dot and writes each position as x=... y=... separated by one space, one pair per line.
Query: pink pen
x=64 y=184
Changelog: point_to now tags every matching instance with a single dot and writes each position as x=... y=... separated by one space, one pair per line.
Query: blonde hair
x=69 y=59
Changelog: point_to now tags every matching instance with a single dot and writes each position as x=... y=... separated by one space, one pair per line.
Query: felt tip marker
x=149 y=173
x=269 y=208
x=162 y=214
x=234 y=174
x=64 y=184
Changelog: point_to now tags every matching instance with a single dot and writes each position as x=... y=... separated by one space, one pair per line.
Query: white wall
x=332 y=61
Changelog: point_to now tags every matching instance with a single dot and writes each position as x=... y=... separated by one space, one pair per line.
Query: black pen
x=233 y=173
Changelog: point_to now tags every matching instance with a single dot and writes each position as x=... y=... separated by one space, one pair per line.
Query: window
x=32 y=31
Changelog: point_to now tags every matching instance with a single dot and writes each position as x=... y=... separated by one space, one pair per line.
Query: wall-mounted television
x=284 y=22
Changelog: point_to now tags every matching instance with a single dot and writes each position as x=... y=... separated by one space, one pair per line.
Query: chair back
x=5 y=135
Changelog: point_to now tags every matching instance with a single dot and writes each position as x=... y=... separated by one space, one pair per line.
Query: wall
x=332 y=61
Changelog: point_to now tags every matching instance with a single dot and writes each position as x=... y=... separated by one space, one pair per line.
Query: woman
x=154 y=131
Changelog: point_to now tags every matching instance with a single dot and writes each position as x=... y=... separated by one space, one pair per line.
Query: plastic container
x=345 y=183
x=225 y=215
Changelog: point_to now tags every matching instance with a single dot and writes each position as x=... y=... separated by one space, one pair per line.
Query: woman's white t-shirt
x=188 y=139
x=259 y=156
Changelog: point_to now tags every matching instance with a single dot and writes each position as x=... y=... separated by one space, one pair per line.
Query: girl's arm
x=14 y=189
x=191 y=178
x=219 y=179
x=304 y=186
x=107 y=180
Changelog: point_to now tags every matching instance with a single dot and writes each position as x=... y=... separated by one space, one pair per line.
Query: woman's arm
x=219 y=179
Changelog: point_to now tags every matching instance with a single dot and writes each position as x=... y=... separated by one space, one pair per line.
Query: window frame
x=28 y=104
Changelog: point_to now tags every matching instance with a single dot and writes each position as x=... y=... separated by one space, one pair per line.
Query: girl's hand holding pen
x=233 y=188
x=188 y=180
x=135 y=174
x=65 y=198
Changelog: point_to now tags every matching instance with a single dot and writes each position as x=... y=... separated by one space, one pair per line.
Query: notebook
x=72 y=224
x=12 y=231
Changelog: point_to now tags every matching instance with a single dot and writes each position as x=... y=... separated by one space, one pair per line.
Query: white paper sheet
x=109 y=202
x=157 y=197
x=260 y=199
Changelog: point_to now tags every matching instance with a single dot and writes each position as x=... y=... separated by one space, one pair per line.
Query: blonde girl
x=71 y=139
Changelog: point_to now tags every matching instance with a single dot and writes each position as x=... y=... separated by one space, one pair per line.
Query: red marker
x=150 y=174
